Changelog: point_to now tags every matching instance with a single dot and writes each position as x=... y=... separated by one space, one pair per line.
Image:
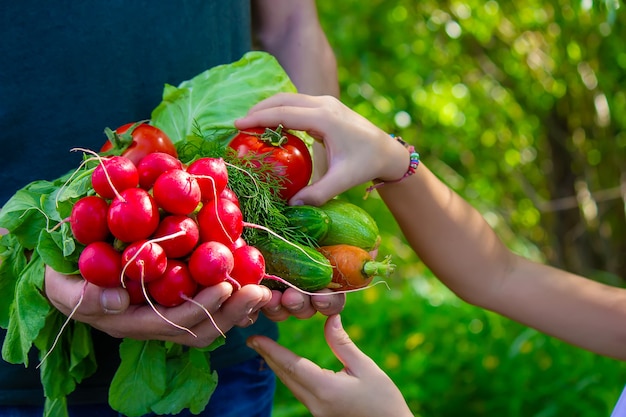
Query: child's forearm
x=449 y=235
x=462 y=250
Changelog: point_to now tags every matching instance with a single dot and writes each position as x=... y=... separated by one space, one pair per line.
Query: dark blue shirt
x=71 y=68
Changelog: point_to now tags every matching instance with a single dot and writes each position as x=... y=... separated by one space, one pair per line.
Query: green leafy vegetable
x=145 y=369
x=212 y=100
x=28 y=313
x=191 y=383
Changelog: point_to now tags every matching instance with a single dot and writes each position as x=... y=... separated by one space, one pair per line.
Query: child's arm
x=461 y=249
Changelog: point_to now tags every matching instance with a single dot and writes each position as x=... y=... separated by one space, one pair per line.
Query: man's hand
x=108 y=310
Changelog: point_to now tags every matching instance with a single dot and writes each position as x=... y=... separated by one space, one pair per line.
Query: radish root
x=271 y=232
x=287 y=283
x=104 y=168
x=146 y=243
x=156 y=310
x=67 y=321
x=208 y=313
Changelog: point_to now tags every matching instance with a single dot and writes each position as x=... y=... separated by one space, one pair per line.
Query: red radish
x=249 y=265
x=229 y=194
x=133 y=215
x=179 y=246
x=174 y=286
x=120 y=173
x=220 y=220
x=100 y=264
x=177 y=192
x=153 y=165
x=88 y=220
x=211 y=263
x=212 y=176
x=143 y=260
x=238 y=243
x=135 y=292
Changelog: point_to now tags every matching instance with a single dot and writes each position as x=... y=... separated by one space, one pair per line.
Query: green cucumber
x=300 y=265
x=310 y=220
x=350 y=225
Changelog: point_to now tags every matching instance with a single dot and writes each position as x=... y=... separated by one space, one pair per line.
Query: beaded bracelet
x=413 y=164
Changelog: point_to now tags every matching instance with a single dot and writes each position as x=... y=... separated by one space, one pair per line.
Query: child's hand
x=360 y=389
x=356 y=150
x=291 y=302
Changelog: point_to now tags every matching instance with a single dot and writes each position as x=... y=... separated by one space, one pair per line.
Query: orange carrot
x=353 y=267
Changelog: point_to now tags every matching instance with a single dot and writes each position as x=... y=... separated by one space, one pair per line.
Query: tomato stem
x=274 y=137
x=120 y=141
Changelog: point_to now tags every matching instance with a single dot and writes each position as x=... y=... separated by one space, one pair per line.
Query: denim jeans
x=244 y=390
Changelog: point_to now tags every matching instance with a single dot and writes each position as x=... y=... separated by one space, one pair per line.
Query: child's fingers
x=354 y=360
x=285 y=99
x=292 y=117
x=300 y=375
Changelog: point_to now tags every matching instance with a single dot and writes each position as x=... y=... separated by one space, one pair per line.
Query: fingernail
x=322 y=305
x=268 y=293
x=336 y=323
x=295 y=307
x=222 y=300
x=111 y=301
x=251 y=342
x=274 y=309
x=253 y=308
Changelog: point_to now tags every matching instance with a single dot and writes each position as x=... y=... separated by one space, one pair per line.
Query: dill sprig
x=249 y=177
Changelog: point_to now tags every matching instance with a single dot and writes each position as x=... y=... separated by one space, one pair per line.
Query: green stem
x=274 y=137
x=378 y=268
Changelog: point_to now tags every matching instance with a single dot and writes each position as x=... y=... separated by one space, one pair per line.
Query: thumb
x=98 y=301
x=66 y=291
x=352 y=358
x=114 y=300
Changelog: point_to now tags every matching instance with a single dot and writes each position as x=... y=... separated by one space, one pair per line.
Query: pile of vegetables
x=165 y=208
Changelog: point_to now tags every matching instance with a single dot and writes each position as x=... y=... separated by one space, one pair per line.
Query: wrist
x=410 y=158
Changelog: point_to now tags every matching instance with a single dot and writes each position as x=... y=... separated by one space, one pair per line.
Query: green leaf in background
x=55 y=407
x=28 y=313
x=140 y=380
x=191 y=383
x=14 y=262
x=22 y=215
x=56 y=257
x=212 y=100
x=55 y=372
x=83 y=358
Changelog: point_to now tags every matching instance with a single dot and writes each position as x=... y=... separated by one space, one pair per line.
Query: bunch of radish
x=163 y=230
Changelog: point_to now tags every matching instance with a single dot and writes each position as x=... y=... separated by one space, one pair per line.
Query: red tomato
x=289 y=155
x=144 y=139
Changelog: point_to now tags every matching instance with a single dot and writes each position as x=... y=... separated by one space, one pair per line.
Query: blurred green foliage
x=519 y=107
x=452 y=359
